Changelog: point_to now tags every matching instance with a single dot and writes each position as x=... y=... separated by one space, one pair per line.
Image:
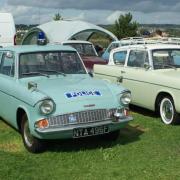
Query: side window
x=137 y=58
x=7 y=64
x=120 y=57
x=176 y=58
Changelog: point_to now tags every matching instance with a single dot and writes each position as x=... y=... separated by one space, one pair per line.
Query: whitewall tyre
x=167 y=111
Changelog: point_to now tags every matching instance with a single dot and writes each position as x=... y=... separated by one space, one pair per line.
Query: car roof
x=127 y=41
x=115 y=42
x=36 y=48
x=150 y=46
x=162 y=46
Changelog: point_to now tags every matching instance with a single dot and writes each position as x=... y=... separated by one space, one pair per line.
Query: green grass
x=146 y=149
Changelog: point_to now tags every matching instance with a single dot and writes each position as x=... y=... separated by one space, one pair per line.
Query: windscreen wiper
x=35 y=73
x=57 y=72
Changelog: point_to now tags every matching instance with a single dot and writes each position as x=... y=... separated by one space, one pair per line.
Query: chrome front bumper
x=110 y=122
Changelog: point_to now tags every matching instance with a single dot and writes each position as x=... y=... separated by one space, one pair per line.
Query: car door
x=7 y=100
x=135 y=77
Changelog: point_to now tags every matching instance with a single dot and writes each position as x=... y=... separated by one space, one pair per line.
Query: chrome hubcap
x=166 y=111
x=27 y=135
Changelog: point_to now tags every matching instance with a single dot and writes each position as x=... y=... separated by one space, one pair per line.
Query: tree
x=57 y=17
x=124 y=27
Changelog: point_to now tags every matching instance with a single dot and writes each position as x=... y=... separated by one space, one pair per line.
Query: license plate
x=90 y=131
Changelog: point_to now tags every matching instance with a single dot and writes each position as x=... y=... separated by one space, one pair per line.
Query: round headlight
x=47 y=107
x=125 y=98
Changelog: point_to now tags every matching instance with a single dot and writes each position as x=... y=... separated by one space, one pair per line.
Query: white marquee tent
x=59 y=31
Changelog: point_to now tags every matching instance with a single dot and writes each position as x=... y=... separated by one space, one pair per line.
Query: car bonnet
x=74 y=90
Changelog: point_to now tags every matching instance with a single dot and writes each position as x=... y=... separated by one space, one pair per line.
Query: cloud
x=121 y=5
x=94 y=11
x=113 y=16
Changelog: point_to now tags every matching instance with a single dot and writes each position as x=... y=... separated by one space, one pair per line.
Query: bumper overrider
x=82 y=124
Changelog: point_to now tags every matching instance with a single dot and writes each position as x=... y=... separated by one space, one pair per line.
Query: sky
x=94 y=11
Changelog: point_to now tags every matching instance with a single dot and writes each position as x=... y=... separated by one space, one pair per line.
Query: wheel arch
x=20 y=112
x=159 y=97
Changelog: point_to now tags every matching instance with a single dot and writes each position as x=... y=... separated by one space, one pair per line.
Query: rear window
x=166 y=58
x=83 y=48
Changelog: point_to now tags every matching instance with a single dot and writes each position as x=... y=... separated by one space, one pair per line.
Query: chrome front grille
x=81 y=117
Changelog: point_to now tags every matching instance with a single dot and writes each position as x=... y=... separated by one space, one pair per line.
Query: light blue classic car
x=46 y=93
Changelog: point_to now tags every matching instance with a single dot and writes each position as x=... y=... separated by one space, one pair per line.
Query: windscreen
x=50 y=63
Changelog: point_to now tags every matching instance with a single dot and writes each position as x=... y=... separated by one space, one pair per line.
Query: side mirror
x=147 y=66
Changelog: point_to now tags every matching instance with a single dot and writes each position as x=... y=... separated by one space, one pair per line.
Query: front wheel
x=167 y=111
x=31 y=143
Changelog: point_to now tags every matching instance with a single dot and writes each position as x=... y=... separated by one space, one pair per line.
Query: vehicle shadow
x=127 y=135
x=143 y=111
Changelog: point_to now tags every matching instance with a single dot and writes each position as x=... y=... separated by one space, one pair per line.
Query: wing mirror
x=147 y=66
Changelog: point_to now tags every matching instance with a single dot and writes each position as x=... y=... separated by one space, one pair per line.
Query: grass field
x=146 y=149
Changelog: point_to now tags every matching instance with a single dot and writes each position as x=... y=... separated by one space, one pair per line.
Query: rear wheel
x=31 y=143
x=167 y=111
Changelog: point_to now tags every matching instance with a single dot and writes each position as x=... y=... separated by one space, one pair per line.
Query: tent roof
x=58 y=31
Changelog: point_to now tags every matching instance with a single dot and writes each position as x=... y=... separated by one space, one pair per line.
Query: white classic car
x=151 y=72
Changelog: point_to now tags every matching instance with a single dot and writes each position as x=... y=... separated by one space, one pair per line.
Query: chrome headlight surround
x=47 y=106
x=125 y=97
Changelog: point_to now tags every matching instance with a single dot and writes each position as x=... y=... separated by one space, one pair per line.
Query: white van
x=7 y=30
